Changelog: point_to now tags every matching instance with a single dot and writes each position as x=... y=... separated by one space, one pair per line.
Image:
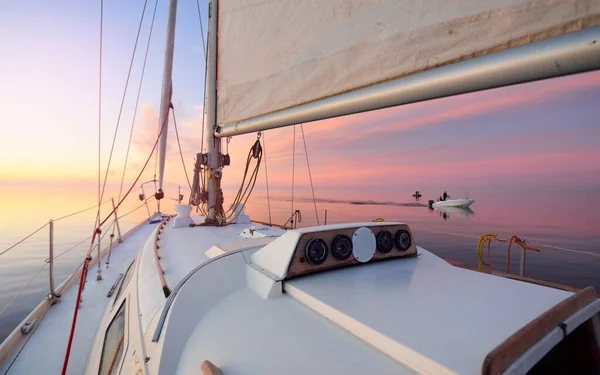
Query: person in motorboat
x=445 y=196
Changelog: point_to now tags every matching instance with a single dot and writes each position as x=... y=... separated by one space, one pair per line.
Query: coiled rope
x=246 y=187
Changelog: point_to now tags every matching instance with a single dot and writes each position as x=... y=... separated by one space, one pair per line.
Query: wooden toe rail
x=505 y=354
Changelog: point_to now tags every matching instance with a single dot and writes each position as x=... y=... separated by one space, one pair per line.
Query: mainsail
x=281 y=62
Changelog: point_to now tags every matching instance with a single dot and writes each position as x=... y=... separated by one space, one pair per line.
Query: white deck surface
x=182 y=249
x=245 y=334
x=45 y=351
x=450 y=315
x=424 y=310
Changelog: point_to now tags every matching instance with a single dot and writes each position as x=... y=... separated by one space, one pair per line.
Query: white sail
x=275 y=55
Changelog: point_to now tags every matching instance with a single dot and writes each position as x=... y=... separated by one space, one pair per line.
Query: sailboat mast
x=167 y=90
x=211 y=143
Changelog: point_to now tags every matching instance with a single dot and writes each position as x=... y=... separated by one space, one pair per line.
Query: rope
x=180 y=152
x=137 y=101
x=486 y=238
x=87 y=259
x=267 y=177
x=310 y=174
x=522 y=244
x=21 y=241
x=196 y=192
x=244 y=193
x=293 y=166
x=531 y=242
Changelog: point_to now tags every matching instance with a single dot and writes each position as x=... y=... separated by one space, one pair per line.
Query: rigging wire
x=293 y=166
x=88 y=258
x=45 y=225
x=23 y=240
x=200 y=176
x=112 y=147
x=100 y=111
x=20 y=292
x=180 y=152
x=310 y=174
x=204 y=178
x=137 y=101
x=80 y=211
x=266 y=176
x=137 y=208
x=82 y=241
x=136 y=179
x=201 y=28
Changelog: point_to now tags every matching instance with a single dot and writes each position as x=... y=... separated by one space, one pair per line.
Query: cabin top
x=399 y=313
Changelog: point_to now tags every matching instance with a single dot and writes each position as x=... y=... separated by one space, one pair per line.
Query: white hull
x=463 y=203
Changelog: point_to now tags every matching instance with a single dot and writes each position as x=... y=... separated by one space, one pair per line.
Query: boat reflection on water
x=446 y=212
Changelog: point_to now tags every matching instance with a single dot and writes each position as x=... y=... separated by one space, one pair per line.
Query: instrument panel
x=335 y=248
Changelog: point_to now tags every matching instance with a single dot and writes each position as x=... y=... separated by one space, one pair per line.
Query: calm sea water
x=560 y=219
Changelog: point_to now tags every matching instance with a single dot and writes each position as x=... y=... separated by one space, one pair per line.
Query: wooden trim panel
x=300 y=266
x=505 y=354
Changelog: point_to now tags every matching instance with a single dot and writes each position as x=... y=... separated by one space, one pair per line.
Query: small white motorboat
x=463 y=203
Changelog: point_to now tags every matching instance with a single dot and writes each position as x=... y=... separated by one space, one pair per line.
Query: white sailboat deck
x=403 y=315
x=181 y=250
x=45 y=351
x=398 y=316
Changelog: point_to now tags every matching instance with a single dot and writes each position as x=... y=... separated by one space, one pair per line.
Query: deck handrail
x=37 y=314
x=49 y=261
x=177 y=288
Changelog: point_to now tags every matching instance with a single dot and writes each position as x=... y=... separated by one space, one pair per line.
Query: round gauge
x=385 y=241
x=403 y=241
x=341 y=247
x=316 y=251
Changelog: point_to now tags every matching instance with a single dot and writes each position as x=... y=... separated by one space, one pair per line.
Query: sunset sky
x=543 y=134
